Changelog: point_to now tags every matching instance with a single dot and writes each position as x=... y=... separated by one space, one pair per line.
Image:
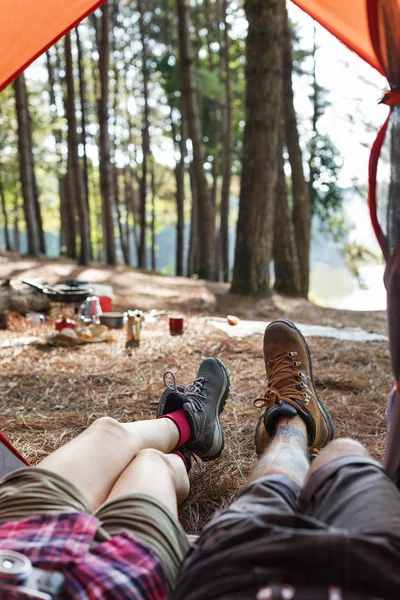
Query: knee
x=109 y=428
x=344 y=446
x=173 y=463
x=336 y=449
x=152 y=455
x=155 y=457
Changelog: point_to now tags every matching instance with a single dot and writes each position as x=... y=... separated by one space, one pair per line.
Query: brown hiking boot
x=290 y=388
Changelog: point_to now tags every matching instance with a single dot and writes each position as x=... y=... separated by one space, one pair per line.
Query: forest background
x=156 y=127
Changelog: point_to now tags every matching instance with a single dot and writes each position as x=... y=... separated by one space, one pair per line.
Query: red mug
x=176 y=325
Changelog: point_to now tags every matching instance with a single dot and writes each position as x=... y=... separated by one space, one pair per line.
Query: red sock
x=180 y=420
x=186 y=463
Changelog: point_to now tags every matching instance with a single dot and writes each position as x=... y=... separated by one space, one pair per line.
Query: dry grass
x=48 y=395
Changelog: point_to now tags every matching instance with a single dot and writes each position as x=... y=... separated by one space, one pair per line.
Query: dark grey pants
x=342 y=529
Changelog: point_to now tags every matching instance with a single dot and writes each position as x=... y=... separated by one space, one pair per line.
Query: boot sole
x=321 y=406
x=220 y=407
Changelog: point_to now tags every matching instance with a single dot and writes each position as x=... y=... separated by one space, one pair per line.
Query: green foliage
x=326 y=196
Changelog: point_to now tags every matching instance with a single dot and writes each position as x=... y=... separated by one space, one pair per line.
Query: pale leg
x=95 y=459
x=161 y=476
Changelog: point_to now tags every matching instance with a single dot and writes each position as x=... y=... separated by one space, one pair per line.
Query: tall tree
x=180 y=170
x=145 y=136
x=76 y=189
x=228 y=147
x=83 y=108
x=107 y=181
x=300 y=196
x=264 y=67
x=53 y=77
x=153 y=217
x=115 y=140
x=27 y=170
x=287 y=273
x=205 y=220
x=5 y=216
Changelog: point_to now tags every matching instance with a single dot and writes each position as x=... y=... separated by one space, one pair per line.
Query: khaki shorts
x=34 y=491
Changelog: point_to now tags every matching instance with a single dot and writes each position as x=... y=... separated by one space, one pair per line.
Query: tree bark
x=180 y=169
x=301 y=201
x=77 y=188
x=83 y=103
x=57 y=142
x=153 y=219
x=205 y=213
x=228 y=150
x=16 y=236
x=260 y=147
x=145 y=139
x=128 y=203
x=28 y=182
x=106 y=167
x=193 y=254
x=287 y=275
x=5 y=216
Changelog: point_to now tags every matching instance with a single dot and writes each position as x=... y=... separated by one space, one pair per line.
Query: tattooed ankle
x=291 y=433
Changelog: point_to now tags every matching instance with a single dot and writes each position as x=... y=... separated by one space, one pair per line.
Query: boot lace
x=194 y=391
x=284 y=382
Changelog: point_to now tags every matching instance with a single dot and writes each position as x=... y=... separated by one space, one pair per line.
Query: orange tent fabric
x=348 y=21
x=29 y=27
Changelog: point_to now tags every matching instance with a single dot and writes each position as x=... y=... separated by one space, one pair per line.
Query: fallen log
x=21 y=298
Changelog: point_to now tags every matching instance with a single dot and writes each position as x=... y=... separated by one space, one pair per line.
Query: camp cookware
x=113 y=320
x=60 y=294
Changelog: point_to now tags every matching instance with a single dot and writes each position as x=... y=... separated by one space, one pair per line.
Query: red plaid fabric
x=118 y=569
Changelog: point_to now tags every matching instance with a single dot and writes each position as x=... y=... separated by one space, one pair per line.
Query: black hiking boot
x=203 y=401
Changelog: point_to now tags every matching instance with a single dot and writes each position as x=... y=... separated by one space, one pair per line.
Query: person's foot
x=291 y=388
x=203 y=401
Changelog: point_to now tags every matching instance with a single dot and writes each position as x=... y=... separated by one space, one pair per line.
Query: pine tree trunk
x=180 y=192
x=301 y=201
x=16 y=236
x=260 y=147
x=69 y=210
x=77 y=188
x=228 y=150
x=287 y=275
x=5 y=216
x=193 y=255
x=57 y=141
x=121 y=229
x=124 y=247
x=153 y=220
x=106 y=167
x=145 y=139
x=28 y=183
x=127 y=202
x=180 y=203
x=204 y=206
x=83 y=103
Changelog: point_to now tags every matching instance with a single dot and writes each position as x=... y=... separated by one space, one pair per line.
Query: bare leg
x=96 y=458
x=167 y=483
x=287 y=453
x=336 y=449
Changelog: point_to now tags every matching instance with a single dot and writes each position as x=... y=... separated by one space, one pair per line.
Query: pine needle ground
x=48 y=395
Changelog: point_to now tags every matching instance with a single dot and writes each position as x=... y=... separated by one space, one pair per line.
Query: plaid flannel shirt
x=119 y=569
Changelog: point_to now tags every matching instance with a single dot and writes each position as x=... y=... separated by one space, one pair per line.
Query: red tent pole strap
x=9 y=445
x=372 y=12
x=372 y=171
